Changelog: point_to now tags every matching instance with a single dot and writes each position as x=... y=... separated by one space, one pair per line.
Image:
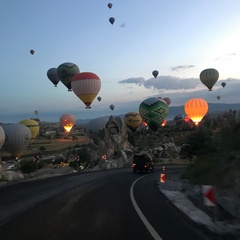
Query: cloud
x=164 y=82
x=225 y=57
x=139 y=81
x=180 y=67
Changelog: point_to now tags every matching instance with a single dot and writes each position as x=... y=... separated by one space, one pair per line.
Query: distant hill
x=176 y=110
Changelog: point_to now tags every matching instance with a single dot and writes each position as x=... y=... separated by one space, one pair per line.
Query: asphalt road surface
x=104 y=205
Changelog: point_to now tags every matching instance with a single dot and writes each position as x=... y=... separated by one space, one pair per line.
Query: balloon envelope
x=95 y=126
x=36 y=112
x=33 y=126
x=155 y=73
x=132 y=120
x=112 y=20
x=99 y=99
x=53 y=76
x=86 y=86
x=66 y=71
x=32 y=51
x=223 y=84
x=112 y=107
x=196 y=109
x=167 y=100
x=218 y=97
x=110 y=5
x=2 y=136
x=17 y=138
x=153 y=111
x=67 y=121
x=209 y=77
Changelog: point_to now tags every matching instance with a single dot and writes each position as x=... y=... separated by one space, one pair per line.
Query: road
x=104 y=205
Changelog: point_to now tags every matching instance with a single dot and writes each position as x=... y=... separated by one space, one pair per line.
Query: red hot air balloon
x=110 y=5
x=86 y=86
x=32 y=51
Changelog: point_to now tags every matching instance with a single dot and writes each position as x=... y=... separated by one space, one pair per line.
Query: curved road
x=104 y=205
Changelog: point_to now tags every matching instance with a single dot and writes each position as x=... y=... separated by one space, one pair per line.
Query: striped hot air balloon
x=132 y=120
x=86 y=86
x=209 y=77
x=196 y=109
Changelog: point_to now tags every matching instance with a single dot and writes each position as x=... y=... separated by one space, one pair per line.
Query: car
x=142 y=163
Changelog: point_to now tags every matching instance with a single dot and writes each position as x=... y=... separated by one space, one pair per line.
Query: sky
x=179 y=38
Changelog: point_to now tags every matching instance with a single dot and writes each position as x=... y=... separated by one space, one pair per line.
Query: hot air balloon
x=32 y=51
x=2 y=136
x=112 y=20
x=112 y=107
x=110 y=5
x=223 y=84
x=209 y=77
x=65 y=72
x=167 y=100
x=196 y=109
x=155 y=73
x=99 y=98
x=153 y=111
x=17 y=138
x=86 y=86
x=95 y=126
x=67 y=121
x=33 y=126
x=36 y=112
x=53 y=77
x=218 y=97
x=132 y=120
x=178 y=118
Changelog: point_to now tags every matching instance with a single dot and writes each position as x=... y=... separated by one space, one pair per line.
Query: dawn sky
x=179 y=38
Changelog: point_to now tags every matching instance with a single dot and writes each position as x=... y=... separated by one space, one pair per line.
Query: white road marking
x=140 y=214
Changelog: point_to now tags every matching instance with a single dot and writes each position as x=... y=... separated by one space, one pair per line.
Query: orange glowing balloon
x=196 y=109
x=67 y=121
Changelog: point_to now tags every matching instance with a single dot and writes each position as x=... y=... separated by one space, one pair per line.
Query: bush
x=28 y=166
x=199 y=142
x=42 y=148
x=84 y=158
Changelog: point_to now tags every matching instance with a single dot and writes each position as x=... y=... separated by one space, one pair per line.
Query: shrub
x=28 y=166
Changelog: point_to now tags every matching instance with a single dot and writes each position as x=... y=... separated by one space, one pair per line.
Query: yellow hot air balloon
x=196 y=109
x=209 y=77
x=133 y=120
x=33 y=126
x=67 y=121
x=86 y=86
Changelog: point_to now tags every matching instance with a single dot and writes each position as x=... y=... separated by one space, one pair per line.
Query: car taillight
x=133 y=165
x=145 y=166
